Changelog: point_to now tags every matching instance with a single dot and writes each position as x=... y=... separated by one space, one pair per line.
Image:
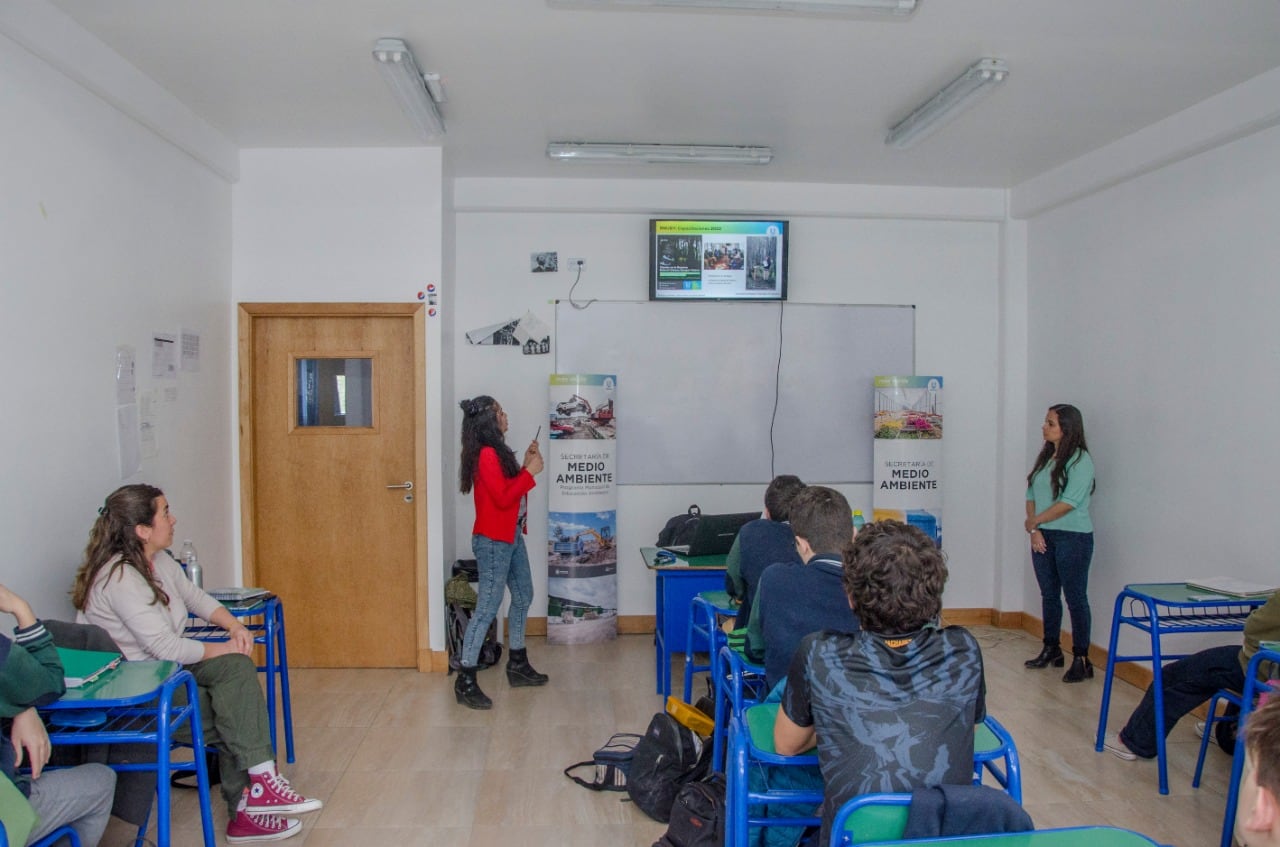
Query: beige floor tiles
x=390 y=798
x=398 y=762
x=422 y=748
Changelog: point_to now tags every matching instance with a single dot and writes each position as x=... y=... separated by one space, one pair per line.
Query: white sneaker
x=1116 y=748
x=1200 y=729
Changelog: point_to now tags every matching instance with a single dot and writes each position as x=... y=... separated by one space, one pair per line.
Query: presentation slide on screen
x=718 y=259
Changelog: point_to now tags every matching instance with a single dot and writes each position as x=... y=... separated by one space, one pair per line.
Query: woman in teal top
x=1058 y=492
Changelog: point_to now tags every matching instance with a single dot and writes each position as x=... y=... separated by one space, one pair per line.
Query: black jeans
x=1063 y=568
x=1187 y=683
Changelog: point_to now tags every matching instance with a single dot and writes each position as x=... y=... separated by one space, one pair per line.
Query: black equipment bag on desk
x=680 y=529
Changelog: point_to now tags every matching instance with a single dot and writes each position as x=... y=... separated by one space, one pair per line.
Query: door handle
x=407 y=485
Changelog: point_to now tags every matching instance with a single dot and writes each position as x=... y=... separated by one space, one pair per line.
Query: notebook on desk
x=714 y=535
x=81 y=667
x=1229 y=586
x=236 y=595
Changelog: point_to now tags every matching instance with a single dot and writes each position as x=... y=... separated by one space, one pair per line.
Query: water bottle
x=858 y=520
x=191 y=563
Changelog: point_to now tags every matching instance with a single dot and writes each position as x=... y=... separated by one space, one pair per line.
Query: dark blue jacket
x=761 y=543
x=794 y=600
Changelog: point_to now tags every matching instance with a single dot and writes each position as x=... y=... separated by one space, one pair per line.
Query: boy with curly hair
x=892 y=707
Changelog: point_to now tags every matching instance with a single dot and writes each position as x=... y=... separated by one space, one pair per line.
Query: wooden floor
x=397 y=762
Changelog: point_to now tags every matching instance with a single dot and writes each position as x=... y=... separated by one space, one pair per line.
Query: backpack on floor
x=460 y=604
x=611 y=762
x=666 y=757
x=680 y=529
x=698 y=815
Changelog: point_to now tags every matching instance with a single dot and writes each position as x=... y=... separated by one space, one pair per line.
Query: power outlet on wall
x=575 y=265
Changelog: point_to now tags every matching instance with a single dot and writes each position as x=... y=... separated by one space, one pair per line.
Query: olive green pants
x=233 y=716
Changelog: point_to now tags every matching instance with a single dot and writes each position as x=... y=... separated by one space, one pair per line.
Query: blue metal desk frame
x=137 y=699
x=1160 y=609
x=269 y=632
x=676 y=586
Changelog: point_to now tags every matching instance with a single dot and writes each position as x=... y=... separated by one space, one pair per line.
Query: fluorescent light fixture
x=401 y=72
x=962 y=92
x=899 y=8
x=706 y=154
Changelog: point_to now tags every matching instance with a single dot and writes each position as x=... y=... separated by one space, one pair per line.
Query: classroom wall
x=349 y=225
x=1152 y=306
x=940 y=250
x=109 y=234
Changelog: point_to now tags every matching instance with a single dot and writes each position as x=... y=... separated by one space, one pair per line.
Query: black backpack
x=666 y=757
x=680 y=529
x=697 y=817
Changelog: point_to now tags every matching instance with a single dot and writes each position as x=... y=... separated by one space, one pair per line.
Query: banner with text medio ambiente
x=908 y=452
x=582 y=510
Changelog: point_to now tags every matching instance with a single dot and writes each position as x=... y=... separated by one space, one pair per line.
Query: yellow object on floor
x=687 y=715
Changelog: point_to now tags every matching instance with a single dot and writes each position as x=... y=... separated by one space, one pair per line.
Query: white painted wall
x=349 y=226
x=1153 y=306
x=107 y=234
x=849 y=244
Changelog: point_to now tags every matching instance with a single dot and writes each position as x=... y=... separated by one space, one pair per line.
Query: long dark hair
x=113 y=535
x=479 y=430
x=1071 y=422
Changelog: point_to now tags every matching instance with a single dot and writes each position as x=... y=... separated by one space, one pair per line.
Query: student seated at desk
x=1258 y=807
x=761 y=543
x=130 y=586
x=1191 y=681
x=30 y=676
x=797 y=598
x=893 y=706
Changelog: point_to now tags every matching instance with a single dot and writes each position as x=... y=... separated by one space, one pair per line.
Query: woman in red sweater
x=489 y=470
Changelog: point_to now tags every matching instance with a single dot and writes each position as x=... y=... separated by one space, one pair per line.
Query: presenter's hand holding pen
x=533 y=459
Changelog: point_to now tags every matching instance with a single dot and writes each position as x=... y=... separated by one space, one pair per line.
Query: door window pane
x=335 y=392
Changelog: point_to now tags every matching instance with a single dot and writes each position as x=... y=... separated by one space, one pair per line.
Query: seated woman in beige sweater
x=130 y=586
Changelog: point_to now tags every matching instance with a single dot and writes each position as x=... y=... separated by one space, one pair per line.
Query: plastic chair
x=704 y=630
x=871 y=817
x=738 y=685
x=49 y=840
x=751 y=745
x=1214 y=718
x=1252 y=688
x=993 y=744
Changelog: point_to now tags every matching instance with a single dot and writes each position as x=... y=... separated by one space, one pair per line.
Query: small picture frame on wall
x=545 y=262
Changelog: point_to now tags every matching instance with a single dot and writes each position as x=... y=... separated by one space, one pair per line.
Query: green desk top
x=650 y=556
x=1181 y=593
x=1077 y=836
x=129 y=682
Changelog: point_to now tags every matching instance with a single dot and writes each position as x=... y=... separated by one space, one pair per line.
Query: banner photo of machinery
x=582 y=517
x=908 y=452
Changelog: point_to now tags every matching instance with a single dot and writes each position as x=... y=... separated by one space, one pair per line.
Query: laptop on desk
x=714 y=535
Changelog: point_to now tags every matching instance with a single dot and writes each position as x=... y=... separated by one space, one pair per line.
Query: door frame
x=251 y=312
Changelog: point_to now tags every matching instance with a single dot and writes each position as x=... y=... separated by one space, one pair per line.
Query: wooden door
x=332 y=421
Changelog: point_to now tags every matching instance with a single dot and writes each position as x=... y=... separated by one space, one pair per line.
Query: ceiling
x=821 y=91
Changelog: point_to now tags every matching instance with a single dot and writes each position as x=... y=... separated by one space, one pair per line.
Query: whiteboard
x=696 y=385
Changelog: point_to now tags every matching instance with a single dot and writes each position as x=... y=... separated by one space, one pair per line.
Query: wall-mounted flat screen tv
x=717 y=260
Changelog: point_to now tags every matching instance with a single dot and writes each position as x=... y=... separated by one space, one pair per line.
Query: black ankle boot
x=1050 y=655
x=467 y=690
x=520 y=673
x=1080 y=670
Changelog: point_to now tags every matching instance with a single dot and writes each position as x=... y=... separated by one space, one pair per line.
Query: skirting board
x=1130 y=672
